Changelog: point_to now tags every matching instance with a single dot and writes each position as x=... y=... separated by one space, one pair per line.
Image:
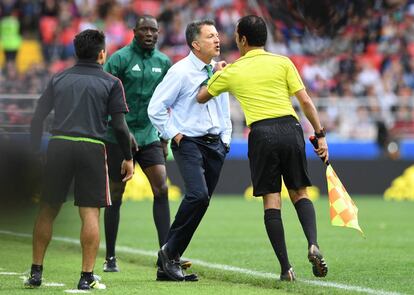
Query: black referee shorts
x=276 y=150
x=82 y=161
x=147 y=156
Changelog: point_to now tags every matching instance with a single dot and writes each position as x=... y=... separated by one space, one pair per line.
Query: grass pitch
x=230 y=250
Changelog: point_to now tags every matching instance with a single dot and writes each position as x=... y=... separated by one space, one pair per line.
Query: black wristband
x=321 y=133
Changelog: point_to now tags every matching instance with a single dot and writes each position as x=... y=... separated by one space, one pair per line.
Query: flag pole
x=343 y=210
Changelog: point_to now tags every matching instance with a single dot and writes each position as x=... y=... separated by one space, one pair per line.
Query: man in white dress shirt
x=200 y=136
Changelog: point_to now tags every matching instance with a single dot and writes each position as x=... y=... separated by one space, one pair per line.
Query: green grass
x=232 y=233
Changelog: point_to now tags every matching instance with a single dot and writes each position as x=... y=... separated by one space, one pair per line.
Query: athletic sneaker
x=288 y=276
x=319 y=266
x=85 y=284
x=110 y=265
x=34 y=280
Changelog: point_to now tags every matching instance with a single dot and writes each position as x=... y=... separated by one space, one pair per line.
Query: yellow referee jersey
x=262 y=82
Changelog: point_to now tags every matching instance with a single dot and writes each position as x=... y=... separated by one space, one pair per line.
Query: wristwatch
x=321 y=133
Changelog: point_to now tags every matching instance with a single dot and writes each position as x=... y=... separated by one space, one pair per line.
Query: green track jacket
x=140 y=72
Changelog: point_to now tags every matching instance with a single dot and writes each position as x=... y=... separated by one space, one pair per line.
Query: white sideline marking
x=52 y=284
x=216 y=266
x=73 y=291
x=6 y=273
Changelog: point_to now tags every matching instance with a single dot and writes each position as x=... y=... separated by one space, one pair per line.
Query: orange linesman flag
x=342 y=208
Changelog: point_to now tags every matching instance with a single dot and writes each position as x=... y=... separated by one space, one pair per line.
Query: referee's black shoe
x=171 y=268
x=110 y=265
x=35 y=277
x=161 y=276
x=319 y=266
x=34 y=280
x=288 y=276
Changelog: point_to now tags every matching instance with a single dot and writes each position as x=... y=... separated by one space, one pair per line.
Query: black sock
x=111 y=227
x=306 y=213
x=161 y=214
x=36 y=268
x=276 y=234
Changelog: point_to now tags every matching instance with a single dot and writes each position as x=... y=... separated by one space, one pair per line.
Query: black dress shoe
x=185 y=264
x=161 y=276
x=170 y=267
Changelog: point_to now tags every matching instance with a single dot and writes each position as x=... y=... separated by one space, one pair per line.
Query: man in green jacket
x=141 y=68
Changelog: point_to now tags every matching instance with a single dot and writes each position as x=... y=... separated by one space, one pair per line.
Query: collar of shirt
x=198 y=63
x=138 y=49
x=254 y=52
x=88 y=63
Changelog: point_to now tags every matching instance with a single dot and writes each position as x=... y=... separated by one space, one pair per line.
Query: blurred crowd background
x=357 y=59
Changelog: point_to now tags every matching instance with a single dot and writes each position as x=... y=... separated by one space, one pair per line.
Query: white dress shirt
x=174 y=108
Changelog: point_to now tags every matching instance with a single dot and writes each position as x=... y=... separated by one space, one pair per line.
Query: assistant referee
x=263 y=84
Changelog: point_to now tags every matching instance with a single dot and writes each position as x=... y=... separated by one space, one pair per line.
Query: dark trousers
x=200 y=163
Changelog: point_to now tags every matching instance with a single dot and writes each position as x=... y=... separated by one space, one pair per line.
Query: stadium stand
x=361 y=76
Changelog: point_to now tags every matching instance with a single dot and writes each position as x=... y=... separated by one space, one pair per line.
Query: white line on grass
x=224 y=267
x=53 y=284
x=48 y=284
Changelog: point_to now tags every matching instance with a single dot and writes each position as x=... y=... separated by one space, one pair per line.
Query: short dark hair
x=193 y=30
x=253 y=27
x=144 y=17
x=89 y=43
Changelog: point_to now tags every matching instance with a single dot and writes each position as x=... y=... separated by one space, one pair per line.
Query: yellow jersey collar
x=254 y=52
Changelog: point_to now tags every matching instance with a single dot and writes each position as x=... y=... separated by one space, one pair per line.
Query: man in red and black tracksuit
x=82 y=98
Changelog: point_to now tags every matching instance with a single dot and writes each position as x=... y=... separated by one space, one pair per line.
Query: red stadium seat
x=239 y=5
x=410 y=48
x=151 y=7
x=373 y=59
x=300 y=61
x=372 y=48
x=47 y=26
